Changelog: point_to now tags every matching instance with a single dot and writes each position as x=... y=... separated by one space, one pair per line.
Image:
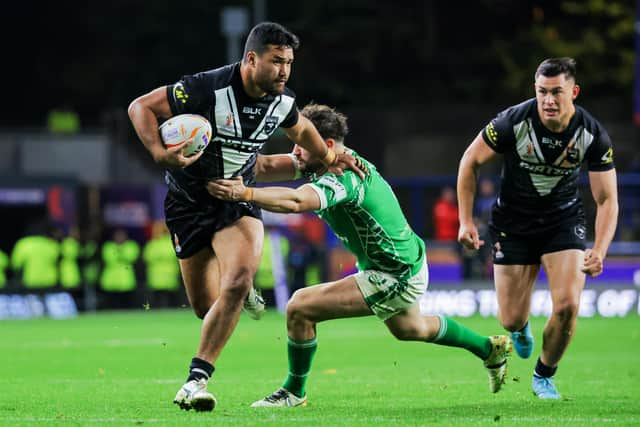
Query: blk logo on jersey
x=551 y=142
x=253 y=111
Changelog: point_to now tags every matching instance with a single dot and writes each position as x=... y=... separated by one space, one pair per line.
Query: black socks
x=543 y=370
x=200 y=369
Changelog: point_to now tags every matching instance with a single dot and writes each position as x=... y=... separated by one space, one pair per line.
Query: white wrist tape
x=296 y=166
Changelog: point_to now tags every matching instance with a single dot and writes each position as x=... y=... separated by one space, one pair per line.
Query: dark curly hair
x=329 y=122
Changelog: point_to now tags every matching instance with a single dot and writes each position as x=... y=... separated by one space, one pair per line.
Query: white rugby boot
x=280 y=398
x=194 y=395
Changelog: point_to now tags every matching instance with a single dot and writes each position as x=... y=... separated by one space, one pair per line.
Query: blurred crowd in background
x=80 y=198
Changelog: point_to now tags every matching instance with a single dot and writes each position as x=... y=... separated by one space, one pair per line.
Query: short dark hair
x=267 y=33
x=552 y=67
x=329 y=122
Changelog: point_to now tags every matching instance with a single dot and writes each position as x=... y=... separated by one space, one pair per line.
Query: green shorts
x=387 y=295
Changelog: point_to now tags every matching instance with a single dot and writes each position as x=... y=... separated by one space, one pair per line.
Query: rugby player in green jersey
x=392 y=267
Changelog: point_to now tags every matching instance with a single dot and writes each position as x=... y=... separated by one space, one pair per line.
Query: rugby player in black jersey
x=218 y=243
x=538 y=217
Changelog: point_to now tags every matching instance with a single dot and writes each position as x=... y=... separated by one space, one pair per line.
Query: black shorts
x=509 y=249
x=192 y=226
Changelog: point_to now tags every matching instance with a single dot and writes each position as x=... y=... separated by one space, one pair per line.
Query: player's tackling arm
x=477 y=154
x=605 y=194
x=305 y=134
x=274 y=199
x=143 y=113
x=276 y=167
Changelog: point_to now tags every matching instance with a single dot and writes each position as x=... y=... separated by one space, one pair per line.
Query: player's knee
x=201 y=309
x=405 y=333
x=566 y=311
x=513 y=322
x=296 y=307
x=236 y=285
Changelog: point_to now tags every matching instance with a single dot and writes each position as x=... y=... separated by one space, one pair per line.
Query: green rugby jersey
x=367 y=218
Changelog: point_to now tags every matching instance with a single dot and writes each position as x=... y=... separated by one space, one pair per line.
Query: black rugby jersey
x=241 y=126
x=539 y=184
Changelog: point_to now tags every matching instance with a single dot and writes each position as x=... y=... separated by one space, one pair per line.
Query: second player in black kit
x=539 y=195
x=538 y=218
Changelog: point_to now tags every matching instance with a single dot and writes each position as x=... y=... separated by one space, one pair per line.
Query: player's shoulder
x=519 y=112
x=588 y=121
x=218 y=77
x=288 y=92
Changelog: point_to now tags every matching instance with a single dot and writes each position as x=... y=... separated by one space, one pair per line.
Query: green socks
x=300 y=358
x=454 y=334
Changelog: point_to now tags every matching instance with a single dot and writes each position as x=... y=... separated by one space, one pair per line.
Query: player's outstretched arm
x=277 y=167
x=305 y=134
x=605 y=193
x=274 y=199
x=477 y=154
x=143 y=113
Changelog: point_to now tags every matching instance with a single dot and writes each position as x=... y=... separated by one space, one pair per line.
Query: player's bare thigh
x=201 y=277
x=566 y=281
x=238 y=249
x=334 y=300
x=514 y=285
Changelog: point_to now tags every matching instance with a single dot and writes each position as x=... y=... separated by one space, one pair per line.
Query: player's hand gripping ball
x=185 y=127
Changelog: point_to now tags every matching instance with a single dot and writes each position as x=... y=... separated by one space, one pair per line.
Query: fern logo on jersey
x=270 y=124
x=580 y=231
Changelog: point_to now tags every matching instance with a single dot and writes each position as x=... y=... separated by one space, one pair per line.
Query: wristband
x=296 y=166
x=329 y=158
x=247 y=195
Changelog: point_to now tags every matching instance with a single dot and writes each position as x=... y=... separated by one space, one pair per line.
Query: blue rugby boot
x=523 y=342
x=544 y=388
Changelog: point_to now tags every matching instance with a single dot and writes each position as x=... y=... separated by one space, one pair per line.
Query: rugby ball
x=183 y=127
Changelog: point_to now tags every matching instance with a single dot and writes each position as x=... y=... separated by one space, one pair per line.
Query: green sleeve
x=333 y=189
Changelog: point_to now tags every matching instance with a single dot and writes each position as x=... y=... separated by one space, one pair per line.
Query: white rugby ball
x=183 y=127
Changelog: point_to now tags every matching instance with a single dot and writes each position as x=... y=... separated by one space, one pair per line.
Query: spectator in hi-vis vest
x=4 y=263
x=118 y=278
x=70 y=277
x=162 y=269
x=35 y=256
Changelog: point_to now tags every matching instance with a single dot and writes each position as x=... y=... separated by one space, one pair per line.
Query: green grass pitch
x=124 y=369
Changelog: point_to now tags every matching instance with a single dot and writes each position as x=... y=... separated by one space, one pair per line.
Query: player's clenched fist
x=468 y=236
x=593 y=263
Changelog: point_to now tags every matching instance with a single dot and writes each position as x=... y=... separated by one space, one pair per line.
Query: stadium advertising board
x=605 y=302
